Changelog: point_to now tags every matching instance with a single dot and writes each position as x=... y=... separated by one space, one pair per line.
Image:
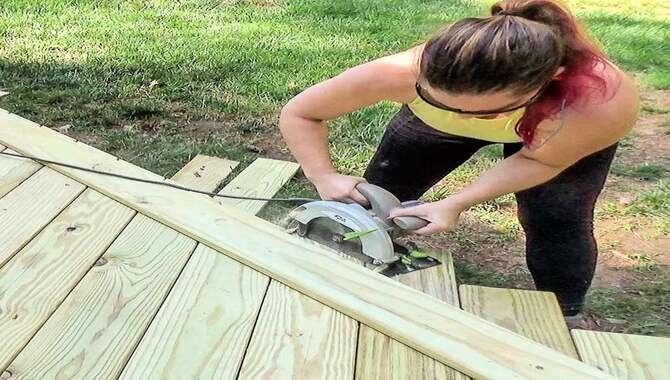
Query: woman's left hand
x=442 y=216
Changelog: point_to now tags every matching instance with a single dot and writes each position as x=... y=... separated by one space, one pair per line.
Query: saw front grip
x=383 y=201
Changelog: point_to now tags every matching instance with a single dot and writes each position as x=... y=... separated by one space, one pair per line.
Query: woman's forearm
x=308 y=142
x=513 y=174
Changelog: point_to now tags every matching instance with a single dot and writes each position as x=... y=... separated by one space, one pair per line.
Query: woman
x=525 y=77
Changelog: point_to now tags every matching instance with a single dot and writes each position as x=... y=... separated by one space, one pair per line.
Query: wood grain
x=203 y=171
x=381 y=357
x=41 y=275
x=444 y=332
x=533 y=314
x=13 y=171
x=92 y=334
x=631 y=357
x=263 y=178
x=202 y=330
x=297 y=337
x=31 y=206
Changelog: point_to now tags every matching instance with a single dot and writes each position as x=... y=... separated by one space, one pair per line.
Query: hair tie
x=505 y=13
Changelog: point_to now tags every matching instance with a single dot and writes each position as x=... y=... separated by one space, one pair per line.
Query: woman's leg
x=412 y=156
x=557 y=217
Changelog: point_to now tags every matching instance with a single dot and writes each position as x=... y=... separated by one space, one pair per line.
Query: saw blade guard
x=377 y=244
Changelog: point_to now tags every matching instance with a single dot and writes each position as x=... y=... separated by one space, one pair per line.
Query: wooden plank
x=381 y=357
x=533 y=314
x=631 y=357
x=13 y=171
x=204 y=326
x=100 y=220
x=444 y=332
x=31 y=206
x=297 y=337
x=264 y=176
x=438 y=281
x=41 y=275
x=203 y=171
x=94 y=331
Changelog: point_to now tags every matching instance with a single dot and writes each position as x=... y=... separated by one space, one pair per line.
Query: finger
x=408 y=211
x=346 y=200
x=430 y=229
x=358 y=197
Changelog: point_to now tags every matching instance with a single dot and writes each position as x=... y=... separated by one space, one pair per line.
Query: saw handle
x=383 y=201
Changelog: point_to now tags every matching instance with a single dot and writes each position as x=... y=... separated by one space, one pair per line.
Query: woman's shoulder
x=395 y=74
x=620 y=100
x=614 y=112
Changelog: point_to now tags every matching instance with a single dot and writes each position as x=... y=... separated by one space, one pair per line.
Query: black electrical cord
x=175 y=186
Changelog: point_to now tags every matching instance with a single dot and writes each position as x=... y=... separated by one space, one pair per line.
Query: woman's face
x=499 y=100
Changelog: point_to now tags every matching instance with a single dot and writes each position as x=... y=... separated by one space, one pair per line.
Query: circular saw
x=365 y=233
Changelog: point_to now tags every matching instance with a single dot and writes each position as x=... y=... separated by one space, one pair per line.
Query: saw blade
x=330 y=233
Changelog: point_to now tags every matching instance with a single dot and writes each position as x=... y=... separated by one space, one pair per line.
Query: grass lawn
x=156 y=82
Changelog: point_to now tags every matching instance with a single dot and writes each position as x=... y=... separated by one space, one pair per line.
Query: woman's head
x=527 y=51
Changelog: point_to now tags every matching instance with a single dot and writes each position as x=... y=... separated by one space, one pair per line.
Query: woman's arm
x=303 y=119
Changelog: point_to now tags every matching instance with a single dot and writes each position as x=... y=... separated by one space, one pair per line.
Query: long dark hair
x=518 y=48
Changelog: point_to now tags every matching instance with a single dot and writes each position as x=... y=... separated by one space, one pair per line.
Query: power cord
x=167 y=184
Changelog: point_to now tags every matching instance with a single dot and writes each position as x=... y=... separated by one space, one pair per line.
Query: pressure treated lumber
x=381 y=357
x=297 y=337
x=13 y=171
x=94 y=331
x=289 y=329
x=110 y=225
x=31 y=206
x=448 y=334
x=41 y=275
x=204 y=326
x=263 y=178
x=203 y=171
x=533 y=314
x=630 y=357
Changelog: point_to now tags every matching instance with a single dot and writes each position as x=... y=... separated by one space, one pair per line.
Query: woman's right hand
x=339 y=187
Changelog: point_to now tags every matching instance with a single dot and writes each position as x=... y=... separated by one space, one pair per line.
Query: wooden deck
x=104 y=279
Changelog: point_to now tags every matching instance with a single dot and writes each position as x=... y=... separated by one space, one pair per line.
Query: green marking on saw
x=357 y=234
x=418 y=254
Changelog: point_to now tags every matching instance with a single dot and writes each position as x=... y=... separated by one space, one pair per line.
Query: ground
x=157 y=82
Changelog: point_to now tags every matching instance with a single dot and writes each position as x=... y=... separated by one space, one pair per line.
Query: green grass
x=156 y=64
x=643 y=309
x=644 y=172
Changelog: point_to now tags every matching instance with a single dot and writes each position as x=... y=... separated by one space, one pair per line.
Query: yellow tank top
x=496 y=130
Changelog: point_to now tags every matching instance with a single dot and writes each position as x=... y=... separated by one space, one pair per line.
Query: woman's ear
x=558 y=72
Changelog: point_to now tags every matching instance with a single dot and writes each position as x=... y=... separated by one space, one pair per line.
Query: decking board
x=381 y=357
x=533 y=314
x=94 y=331
x=262 y=178
x=14 y=170
x=297 y=337
x=25 y=210
x=629 y=357
x=41 y=275
x=204 y=172
x=203 y=328
x=463 y=341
